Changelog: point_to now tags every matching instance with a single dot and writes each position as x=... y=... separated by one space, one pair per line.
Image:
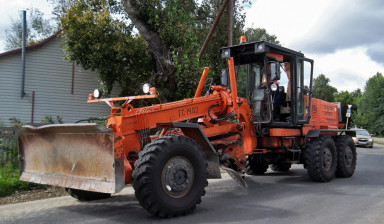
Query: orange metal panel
x=284 y=132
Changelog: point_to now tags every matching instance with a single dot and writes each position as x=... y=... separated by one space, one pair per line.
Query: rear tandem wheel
x=256 y=165
x=281 y=167
x=346 y=156
x=321 y=159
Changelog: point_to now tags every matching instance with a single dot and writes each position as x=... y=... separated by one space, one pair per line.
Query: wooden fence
x=8 y=145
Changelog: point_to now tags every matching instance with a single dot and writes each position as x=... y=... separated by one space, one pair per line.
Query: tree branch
x=161 y=52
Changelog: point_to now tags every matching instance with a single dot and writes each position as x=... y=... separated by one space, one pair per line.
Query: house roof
x=34 y=46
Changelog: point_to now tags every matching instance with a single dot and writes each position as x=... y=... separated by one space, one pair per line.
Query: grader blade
x=79 y=156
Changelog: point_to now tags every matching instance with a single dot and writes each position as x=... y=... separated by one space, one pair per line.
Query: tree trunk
x=164 y=68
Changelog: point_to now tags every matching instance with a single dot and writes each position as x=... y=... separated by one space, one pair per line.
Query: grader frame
x=169 y=170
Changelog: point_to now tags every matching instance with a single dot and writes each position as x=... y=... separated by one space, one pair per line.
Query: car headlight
x=370 y=140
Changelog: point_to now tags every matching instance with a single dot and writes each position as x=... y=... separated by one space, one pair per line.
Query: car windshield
x=362 y=132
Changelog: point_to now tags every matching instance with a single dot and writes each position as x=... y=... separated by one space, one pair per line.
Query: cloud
x=349 y=24
x=348 y=69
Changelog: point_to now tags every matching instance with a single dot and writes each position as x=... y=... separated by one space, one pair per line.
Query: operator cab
x=276 y=81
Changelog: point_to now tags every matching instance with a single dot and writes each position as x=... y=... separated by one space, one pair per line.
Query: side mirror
x=224 y=78
x=275 y=71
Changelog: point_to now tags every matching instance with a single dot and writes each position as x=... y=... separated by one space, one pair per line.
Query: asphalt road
x=272 y=198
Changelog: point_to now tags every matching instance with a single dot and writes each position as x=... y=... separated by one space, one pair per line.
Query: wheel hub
x=327 y=159
x=177 y=176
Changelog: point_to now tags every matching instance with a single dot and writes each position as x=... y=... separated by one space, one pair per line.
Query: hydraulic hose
x=218 y=119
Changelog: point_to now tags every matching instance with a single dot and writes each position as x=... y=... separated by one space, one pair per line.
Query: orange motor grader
x=262 y=114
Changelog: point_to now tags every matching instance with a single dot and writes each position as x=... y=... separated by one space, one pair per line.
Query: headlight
x=370 y=140
x=273 y=87
x=146 y=88
x=226 y=53
x=97 y=93
x=259 y=47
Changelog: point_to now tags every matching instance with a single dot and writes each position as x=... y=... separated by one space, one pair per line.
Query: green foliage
x=100 y=37
x=38 y=28
x=98 y=40
x=257 y=34
x=348 y=98
x=322 y=90
x=370 y=113
x=49 y=120
x=9 y=175
x=15 y=122
x=10 y=182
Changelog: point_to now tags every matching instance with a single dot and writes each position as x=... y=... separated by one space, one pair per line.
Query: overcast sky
x=344 y=37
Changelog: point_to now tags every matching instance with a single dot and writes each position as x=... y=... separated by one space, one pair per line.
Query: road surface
x=272 y=198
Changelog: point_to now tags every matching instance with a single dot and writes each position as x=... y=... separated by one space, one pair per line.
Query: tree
x=98 y=41
x=371 y=106
x=100 y=35
x=322 y=90
x=38 y=28
x=175 y=31
x=346 y=98
x=257 y=34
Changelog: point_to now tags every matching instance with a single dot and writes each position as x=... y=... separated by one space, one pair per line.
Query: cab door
x=303 y=90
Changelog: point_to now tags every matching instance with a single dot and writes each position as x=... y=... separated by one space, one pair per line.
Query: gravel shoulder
x=32 y=195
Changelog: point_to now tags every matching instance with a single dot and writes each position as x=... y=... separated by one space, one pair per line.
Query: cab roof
x=253 y=50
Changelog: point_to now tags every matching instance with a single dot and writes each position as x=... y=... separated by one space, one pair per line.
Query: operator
x=276 y=94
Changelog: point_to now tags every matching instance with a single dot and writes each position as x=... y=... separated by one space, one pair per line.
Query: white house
x=53 y=86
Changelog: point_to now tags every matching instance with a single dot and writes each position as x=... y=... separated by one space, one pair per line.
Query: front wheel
x=170 y=176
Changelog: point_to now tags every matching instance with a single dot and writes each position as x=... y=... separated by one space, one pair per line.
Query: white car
x=363 y=138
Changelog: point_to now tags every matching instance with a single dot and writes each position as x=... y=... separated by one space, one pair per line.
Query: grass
x=10 y=177
x=10 y=182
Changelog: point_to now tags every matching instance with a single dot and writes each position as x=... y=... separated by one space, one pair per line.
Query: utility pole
x=230 y=22
x=226 y=3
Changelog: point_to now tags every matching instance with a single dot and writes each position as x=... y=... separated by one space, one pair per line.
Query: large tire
x=346 y=156
x=256 y=165
x=170 y=176
x=82 y=195
x=321 y=159
x=281 y=167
